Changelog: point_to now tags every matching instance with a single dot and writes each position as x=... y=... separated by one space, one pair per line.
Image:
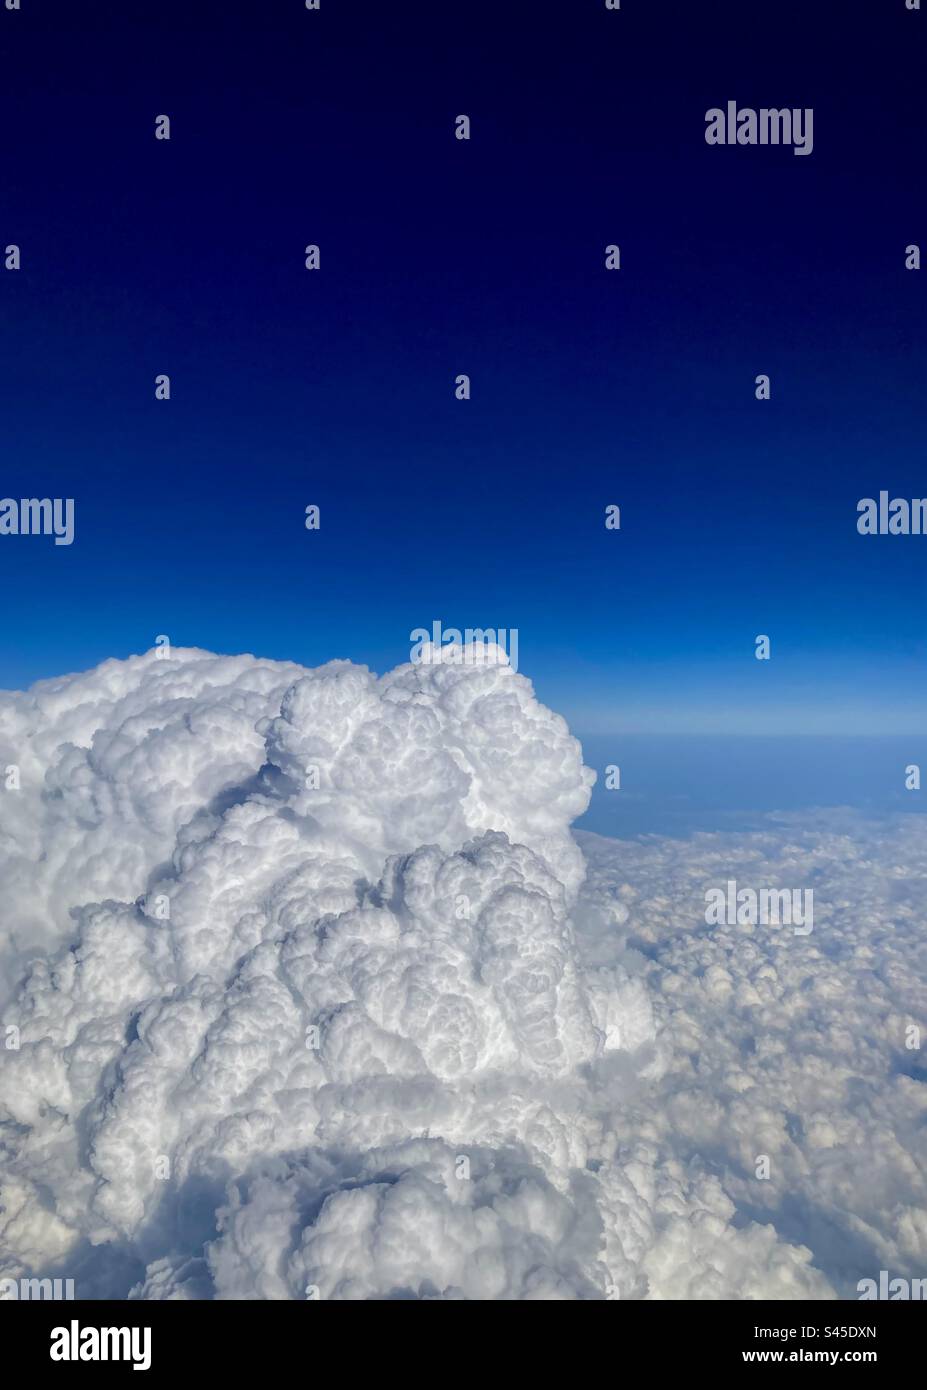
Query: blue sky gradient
x=441 y=257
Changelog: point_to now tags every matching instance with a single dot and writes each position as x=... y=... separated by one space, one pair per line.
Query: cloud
x=111 y=764
x=317 y=998
x=805 y=1049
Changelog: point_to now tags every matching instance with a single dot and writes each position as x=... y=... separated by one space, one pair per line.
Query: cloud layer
x=314 y=997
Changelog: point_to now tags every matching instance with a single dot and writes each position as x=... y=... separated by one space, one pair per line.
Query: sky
x=282 y=942
x=484 y=257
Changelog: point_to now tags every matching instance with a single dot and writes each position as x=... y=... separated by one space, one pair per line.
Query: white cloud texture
x=313 y=993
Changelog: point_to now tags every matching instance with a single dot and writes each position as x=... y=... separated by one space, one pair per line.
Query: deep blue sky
x=440 y=257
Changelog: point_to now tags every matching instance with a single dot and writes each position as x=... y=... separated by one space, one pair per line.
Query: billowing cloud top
x=307 y=998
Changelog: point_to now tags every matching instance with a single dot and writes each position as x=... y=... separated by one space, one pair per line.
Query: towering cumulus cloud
x=303 y=998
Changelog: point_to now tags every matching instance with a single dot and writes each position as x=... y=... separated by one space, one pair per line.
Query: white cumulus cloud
x=313 y=992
